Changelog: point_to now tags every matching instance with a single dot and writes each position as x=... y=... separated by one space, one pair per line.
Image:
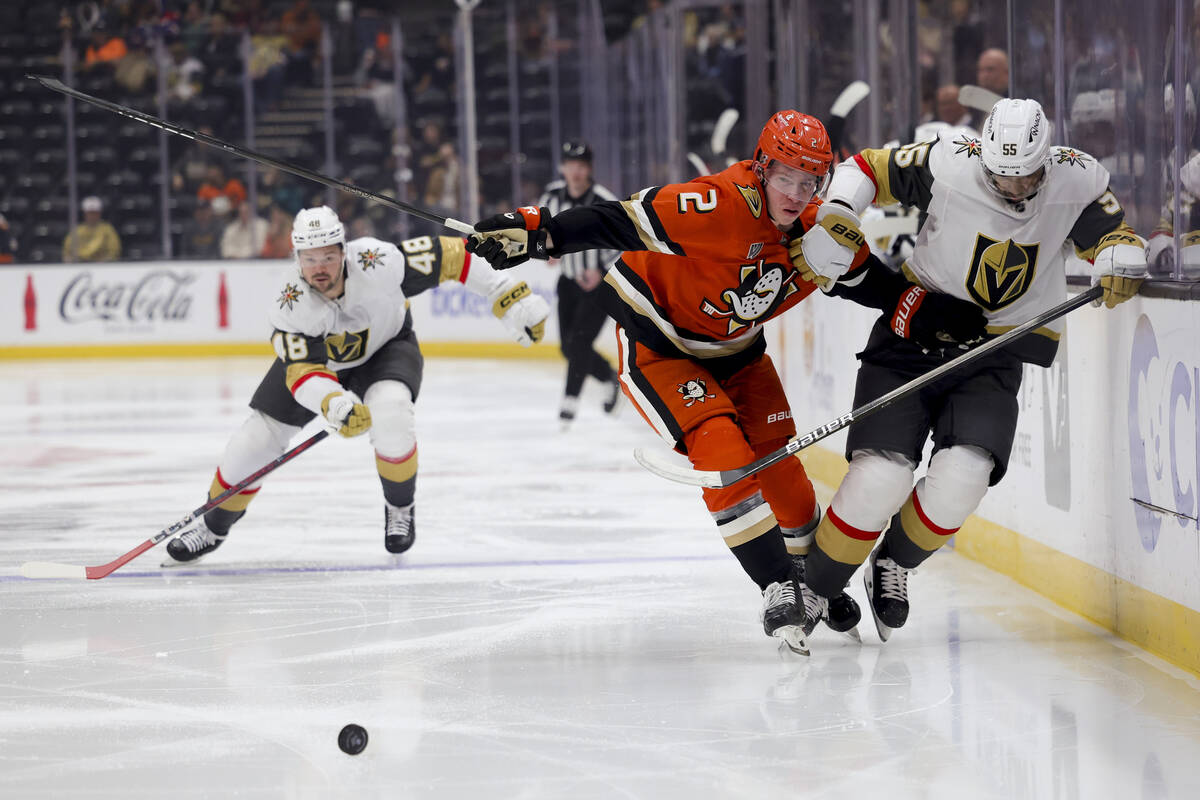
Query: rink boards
x=210 y=308
x=1116 y=418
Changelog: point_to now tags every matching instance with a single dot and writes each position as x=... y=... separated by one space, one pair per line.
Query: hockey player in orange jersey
x=705 y=265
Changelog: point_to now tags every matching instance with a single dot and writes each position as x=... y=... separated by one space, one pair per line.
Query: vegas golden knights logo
x=1000 y=271
x=345 y=347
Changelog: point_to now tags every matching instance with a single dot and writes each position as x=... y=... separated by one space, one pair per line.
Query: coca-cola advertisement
x=155 y=297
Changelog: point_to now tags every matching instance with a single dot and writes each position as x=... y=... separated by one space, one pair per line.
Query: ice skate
x=783 y=613
x=841 y=612
x=399 y=527
x=192 y=545
x=887 y=592
x=612 y=403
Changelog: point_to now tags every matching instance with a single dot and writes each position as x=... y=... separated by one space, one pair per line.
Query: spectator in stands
x=267 y=64
x=216 y=183
x=8 y=242
x=104 y=48
x=991 y=71
x=245 y=236
x=281 y=189
x=947 y=108
x=279 y=234
x=134 y=71
x=201 y=234
x=435 y=76
x=301 y=28
x=93 y=239
x=442 y=189
x=425 y=154
x=184 y=74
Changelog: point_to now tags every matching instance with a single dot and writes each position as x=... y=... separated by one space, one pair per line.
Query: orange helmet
x=797 y=140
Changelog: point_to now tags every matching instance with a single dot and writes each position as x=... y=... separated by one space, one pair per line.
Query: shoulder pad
x=370 y=255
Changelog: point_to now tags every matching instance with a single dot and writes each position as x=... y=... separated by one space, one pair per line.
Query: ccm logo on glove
x=910 y=301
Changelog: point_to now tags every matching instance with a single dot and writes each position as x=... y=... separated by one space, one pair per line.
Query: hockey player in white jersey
x=347 y=351
x=1001 y=210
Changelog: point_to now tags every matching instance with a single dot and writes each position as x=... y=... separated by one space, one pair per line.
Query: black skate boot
x=841 y=612
x=399 y=527
x=192 y=545
x=887 y=591
x=613 y=402
x=783 y=612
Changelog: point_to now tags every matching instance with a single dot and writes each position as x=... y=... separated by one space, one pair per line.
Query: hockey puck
x=353 y=739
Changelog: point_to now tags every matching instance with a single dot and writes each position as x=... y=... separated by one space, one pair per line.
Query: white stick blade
x=49 y=569
x=978 y=98
x=851 y=96
x=722 y=128
x=663 y=468
x=698 y=164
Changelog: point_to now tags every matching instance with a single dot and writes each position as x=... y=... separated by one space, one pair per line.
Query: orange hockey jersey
x=703 y=268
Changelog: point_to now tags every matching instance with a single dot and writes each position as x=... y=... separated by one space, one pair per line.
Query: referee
x=580 y=316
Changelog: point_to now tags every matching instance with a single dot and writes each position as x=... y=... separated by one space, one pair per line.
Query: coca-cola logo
x=160 y=295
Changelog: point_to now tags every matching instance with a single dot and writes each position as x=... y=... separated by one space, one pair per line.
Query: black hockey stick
x=50 y=569
x=233 y=149
x=851 y=96
x=713 y=479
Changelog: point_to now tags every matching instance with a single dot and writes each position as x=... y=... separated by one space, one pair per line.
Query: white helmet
x=1016 y=144
x=317 y=227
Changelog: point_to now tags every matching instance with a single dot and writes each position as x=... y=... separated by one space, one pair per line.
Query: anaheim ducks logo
x=1000 y=271
x=343 y=347
x=763 y=288
x=290 y=296
x=694 y=391
x=367 y=259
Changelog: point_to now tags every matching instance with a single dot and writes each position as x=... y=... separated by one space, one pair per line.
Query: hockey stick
x=851 y=96
x=49 y=569
x=714 y=479
x=978 y=98
x=698 y=164
x=233 y=149
x=720 y=135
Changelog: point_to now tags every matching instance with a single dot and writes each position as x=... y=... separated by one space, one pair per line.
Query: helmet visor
x=1015 y=188
x=793 y=183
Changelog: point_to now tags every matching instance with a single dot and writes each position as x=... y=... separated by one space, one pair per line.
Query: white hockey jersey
x=316 y=337
x=1008 y=259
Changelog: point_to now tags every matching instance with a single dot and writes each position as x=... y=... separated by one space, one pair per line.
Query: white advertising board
x=180 y=302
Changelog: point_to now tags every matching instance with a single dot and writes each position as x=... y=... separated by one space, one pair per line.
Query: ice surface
x=566 y=626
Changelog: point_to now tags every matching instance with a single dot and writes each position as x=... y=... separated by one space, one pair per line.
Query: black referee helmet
x=576 y=150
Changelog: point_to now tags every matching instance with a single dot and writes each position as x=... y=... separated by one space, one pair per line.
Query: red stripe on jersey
x=926 y=521
x=466 y=270
x=866 y=168
x=303 y=378
x=226 y=485
x=850 y=530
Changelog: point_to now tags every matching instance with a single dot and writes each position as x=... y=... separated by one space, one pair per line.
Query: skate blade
x=170 y=563
x=793 y=637
x=852 y=634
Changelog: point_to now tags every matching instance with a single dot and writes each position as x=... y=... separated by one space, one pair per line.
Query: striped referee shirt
x=556 y=198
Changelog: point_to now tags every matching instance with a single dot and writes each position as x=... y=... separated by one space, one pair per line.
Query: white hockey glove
x=1120 y=266
x=1160 y=252
x=522 y=312
x=1189 y=175
x=346 y=413
x=826 y=251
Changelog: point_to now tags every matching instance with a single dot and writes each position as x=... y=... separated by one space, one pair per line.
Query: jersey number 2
x=704 y=204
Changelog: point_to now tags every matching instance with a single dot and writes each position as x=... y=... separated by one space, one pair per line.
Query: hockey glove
x=934 y=321
x=1120 y=266
x=511 y=238
x=522 y=312
x=1160 y=252
x=826 y=251
x=346 y=413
